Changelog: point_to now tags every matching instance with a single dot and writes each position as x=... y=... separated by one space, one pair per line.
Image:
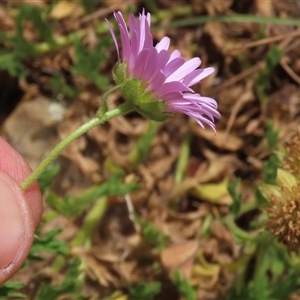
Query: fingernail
x=12 y=229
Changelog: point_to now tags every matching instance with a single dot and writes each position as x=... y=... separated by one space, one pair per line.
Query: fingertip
x=12 y=163
x=16 y=227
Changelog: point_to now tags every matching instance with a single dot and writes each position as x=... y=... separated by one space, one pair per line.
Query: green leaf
x=184 y=287
x=18 y=48
x=236 y=197
x=144 y=290
x=286 y=285
x=139 y=153
x=72 y=206
x=9 y=290
x=90 y=4
x=151 y=233
x=272 y=134
x=273 y=57
x=11 y=62
x=70 y=285
x=58 y=84
x=263 y=81
x=46 y=179
x=49 y=243
x=270 y=169
x=88 y=63
x=260 y=198
x=34 y=14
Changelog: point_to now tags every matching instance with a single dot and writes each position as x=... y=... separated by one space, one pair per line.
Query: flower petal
x=184 y=70
x=163 y=44
x=141 y=62
x=114 y=37
x=197 y=75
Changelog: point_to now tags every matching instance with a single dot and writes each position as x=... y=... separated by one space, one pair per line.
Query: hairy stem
x=121 y=110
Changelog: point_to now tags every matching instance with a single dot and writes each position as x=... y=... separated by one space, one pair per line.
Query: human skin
x=20 y=211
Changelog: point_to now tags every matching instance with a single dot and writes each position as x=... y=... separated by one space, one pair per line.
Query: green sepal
x=131 y=91
x=120 y=73
x=154 y=110
x=134 y=91
x=103 y=109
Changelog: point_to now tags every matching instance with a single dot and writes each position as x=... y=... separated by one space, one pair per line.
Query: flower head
x=291 y=162
x=158 y=82
x=283 y=209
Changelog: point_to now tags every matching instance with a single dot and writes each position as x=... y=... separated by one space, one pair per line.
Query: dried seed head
x=291 y=162
x=284 y=216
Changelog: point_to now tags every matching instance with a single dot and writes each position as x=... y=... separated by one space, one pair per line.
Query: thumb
x=16 y=227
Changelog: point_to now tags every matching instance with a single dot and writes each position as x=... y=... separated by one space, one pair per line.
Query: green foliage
x=151 y=233
x=72 y=206
x=263 y=81
x=151 y=6
x=273 y=57
x=92 y=218
x=11 y=62
x=184 y=287
x=236 y=197
x=272 y=135
x=206 y=225
x=9 y=290
x=144 y=290
x=89 y=4
x=58 y=84
x=260 y=198
x=183 y=159
x=274 y=275
x=17 y=46
x=48 y=243
x=270 y=169
x=89 y=62
x=46 y=179
x=34 y=14
x=139 y=153
x=69 y=286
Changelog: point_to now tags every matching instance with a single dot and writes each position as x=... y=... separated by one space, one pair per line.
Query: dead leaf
x=222 y=140
x=180 y=256
x=64 y=9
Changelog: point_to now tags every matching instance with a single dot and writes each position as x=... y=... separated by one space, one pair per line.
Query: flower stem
x=121 y=110
x=237 y=231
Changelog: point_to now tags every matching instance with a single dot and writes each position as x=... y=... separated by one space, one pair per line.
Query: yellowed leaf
x=213 y=192
x=64 y=9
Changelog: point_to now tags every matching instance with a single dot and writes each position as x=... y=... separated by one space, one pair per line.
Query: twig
x=129 y=207
x=236 y=108
x=101 y=13
x=290 y=71
x=259 y=66
x=272 y=39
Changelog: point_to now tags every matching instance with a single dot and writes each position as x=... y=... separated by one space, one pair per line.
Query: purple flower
x=164 y=77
